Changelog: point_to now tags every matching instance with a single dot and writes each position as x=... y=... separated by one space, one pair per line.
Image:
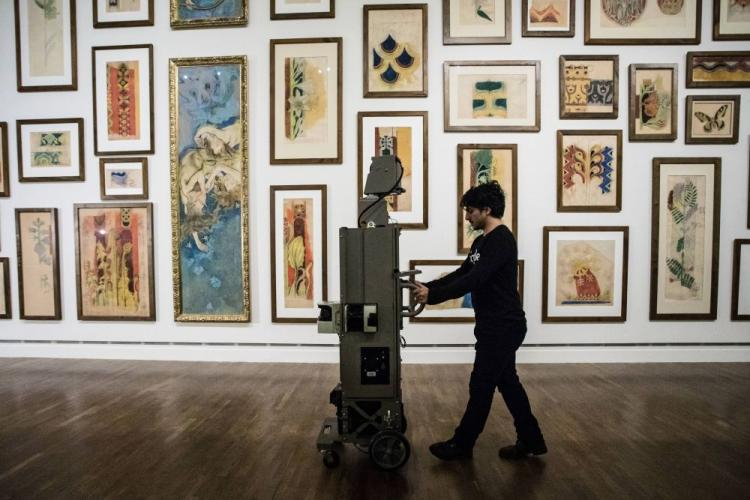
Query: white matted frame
x=741 y=280
x=124 y=14
x=50 y=150
x=310 y=9
x=471 y=22
x=123 y=178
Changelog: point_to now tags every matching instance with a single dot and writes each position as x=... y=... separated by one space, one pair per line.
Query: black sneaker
x=450 y=450
x=520 y=450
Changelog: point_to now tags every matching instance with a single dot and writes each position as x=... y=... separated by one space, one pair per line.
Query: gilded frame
x=76 y=150
x=474 y=39
x=128 y=193
x=720 y=31
x=738 y=264
x=699 y=67
x=576 y=115
x=51 y=258
x=175 y=22
x=303 y=13
x=550 y=32
x=5 y=289
x=129 y=21
x=731 y=101
x=635 y=103
x=4 y=161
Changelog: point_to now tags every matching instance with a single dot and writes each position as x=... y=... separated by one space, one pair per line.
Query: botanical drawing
x=305 y=99
x=589 y=87
x=299 y=287
x=37 y=272
x=686 y=232
x=545 y=14
x=712 y=119
x=395 y=50
x=123 y=106
x=50 y=149
x=653 y=101
x=585 y=272
x=588 y=170
x=209 y=9
x=397 y=141
x=492 y=96
x=476 y=12
x=45 y=37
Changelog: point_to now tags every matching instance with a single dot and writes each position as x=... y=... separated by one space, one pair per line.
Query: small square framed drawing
x=718 y=69
x=588 y=86
x=4 y=162
x=302 y=9
x=652 y=102
x=6 y=310
x=476 y=22
x=207 y=14
x=712 y=119
x=299 y=250
x=402 y=134
x=123 y=99
x=395 y=50
x=123 y=13
x=731 y=20
x=50 y=150
x=491 y=96
x=548 y=18
x=46 y=45
x=115 y=261
x=37 y=245
x=306 y=101
x=741 y=280
x=585 y=275
x=589 y=170
x=123 y=178
x=686 y=201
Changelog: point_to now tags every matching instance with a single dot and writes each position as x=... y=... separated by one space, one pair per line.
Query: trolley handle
x=410 y=311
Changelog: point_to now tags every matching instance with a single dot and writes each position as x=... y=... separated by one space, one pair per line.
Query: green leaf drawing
x=676 y=268
x=680 y=244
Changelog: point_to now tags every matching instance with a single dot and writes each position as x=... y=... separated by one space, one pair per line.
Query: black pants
x=495 y=367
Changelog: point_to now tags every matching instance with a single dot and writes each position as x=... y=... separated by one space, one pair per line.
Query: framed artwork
x=589 y=170
x=50 y=150
x=209 y=173
x=479 y=164
x=404 y=135
x=476 y=22
x=4 y=164
x=652 y=106
x=6 y=310
x=491 y=96
x=686 y=194
x=548 y=18
x=46 y=45
x=306 y=101
x=585 y=276
x=123 y=13
x=741 y=280
x=748 y=188
x=638 y=22
x=395 y=50
x=731 y=20
x=123 y=99
x=115 y=261
x=302 y=9
x=38 y=263
x=123 y=178
x=207 y=13
x=588 y=86
x=727 y=69
x=712 y=119
x=299 y=252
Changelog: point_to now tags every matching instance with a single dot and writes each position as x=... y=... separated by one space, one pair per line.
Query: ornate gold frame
x=176 y=23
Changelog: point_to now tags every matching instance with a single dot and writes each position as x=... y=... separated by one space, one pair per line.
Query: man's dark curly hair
x=489 y=195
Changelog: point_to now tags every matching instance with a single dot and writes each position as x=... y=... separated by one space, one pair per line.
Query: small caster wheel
x=389 y=449
x=331 y=459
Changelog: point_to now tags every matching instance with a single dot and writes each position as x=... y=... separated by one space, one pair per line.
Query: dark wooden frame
x=717 y=35
x=491 y=128
x=54 y=247
x=655 y=187
x=5 y=288
x=476 y=40
x=176 y=24
x=587 y=115
x=150 y=49
x=617 y=207
x=81 y=158
x=330 y=13
x=726 y=84
x=738 y=243
x=546 y=318
x=587 y=40
x=748 y=188
x=366 y=92
x=4 y=158
x=633 y=111
x=460 y=150
x=144 y=166
x=339 y=101
x=425 y=159
x=689 y=100
x=73 y=55
x=150 y=250
x=324 y=236
x=549 y=33
x=124 y=24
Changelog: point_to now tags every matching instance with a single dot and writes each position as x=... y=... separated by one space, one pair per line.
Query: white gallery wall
x=637 y=339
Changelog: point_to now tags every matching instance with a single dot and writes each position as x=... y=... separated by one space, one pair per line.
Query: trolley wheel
x=331 y=459
x=389 y=449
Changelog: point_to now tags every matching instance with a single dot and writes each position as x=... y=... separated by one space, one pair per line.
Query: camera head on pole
x=384 y=179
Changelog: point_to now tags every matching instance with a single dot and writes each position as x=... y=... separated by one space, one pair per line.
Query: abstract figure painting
x=114 y=262
x=641 y=22
x=395 y=50
x=728 y=69
x=299 y=275
x=548 y=18
x=306 y=101
x=491 y=96
x=712 y=119
x=741 y=280
x=4 y=166
x=585 y=275
x=685 y=238
x=38 y=263
x=123 y=178
x=123 y=13
x=50 y=150
x=589 y=170
x=652 y=105
x=208 y=143
x=588 y=86
x=302 y=9
x=731 y=20
x=123 y=99
x=404 y=135
x=479 y=164
x=5 y=303
x=476 y=22
x=207 y=13
x=46 y=45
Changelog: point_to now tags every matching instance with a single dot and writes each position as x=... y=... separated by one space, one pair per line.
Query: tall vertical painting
x=652 y=102
x=209 y=176
x=207 y=13
x=4 y=179
x=5 y=303
x=741 y=280
x=38 y=263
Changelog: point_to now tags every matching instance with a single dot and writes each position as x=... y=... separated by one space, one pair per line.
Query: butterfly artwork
x=712 y=119
x=716 y=122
